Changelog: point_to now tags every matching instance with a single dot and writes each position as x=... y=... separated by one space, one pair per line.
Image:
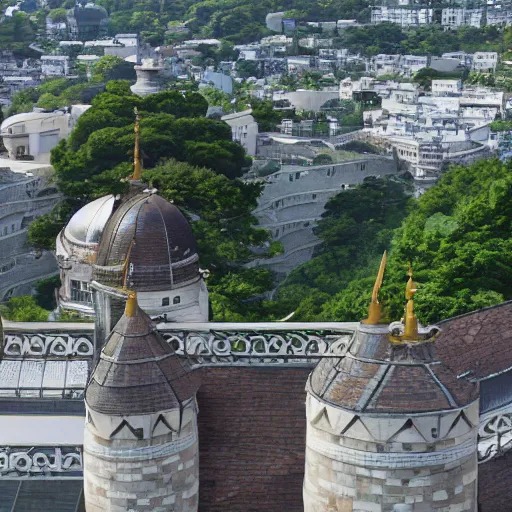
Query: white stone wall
x=159 y=472
x=390 y=462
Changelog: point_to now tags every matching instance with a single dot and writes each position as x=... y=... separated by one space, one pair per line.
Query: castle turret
x=389 y=426
x=140 y=443
x=149 y=80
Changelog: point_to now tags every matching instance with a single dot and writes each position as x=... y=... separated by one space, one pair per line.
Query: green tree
x=45 y=292
x=24 y=309
x=112 y=68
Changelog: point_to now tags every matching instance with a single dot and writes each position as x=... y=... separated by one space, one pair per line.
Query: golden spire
x=137 y=166
x=410 y=319
x=131 y=304
x=374 y=309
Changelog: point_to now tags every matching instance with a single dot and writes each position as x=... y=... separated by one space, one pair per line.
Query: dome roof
x=138 y=372
x=375 y=376
x=86 y=225
x=149 y=240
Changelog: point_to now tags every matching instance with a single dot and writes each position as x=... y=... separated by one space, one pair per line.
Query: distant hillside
x=238 y=21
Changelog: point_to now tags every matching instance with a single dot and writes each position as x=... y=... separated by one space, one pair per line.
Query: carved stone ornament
x=36 y=461
x=263 y=347
x=48 y=345
x=495 y=437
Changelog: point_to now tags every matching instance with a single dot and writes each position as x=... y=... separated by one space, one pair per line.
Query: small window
x=13 y=227
x=5 y=230
x=314 y=196
x=297 y=175
x=176 y=300
x=290 y=177
x=329 y=172
x=165 y=301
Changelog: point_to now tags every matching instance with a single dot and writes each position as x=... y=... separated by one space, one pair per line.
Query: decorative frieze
x=257 y=347
x=49 y=345
x=494 y=436
x=19 y=461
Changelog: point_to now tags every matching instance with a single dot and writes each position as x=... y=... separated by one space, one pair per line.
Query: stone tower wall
x=157 y=474
x=391 y=462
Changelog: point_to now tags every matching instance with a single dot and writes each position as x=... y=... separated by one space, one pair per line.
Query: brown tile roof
x=494 y=489
x=154 y=237
x=373 y=377
x=479 y=342
x=138 y=372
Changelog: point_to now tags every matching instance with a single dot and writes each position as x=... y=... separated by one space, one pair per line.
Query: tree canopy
x=456 y=236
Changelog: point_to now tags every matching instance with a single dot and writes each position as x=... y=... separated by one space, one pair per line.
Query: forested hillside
x=457 y=237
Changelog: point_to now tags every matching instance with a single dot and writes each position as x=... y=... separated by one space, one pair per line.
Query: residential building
x=294 y=198
x=446 y=87
x=485 y=62
x=26 y=191
x=244 y=129
x=54 y=65
x=405 y=17
x=32 y=135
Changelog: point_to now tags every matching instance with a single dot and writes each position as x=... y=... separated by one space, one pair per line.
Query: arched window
x=165 y=301
x=176 y=300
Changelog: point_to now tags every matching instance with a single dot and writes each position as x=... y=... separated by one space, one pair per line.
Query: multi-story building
x=26 y=191
x=294 y=198
x=32 y=135
x=454 y=17
x=485 y=62
x=244 y=129
x=54 y=65
x=406 y=17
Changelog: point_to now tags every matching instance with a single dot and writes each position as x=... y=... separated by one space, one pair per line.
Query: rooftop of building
x=147 y=243
x=138 y=371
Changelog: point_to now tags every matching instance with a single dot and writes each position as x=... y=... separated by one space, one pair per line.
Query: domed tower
x=148 y=246
x=389 y=426
x=76 y=250
x=140 y=443
x=107 y=240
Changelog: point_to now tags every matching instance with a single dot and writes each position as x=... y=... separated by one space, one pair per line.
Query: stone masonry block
x=440 y=495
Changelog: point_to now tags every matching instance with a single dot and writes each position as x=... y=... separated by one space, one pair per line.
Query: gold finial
x=410 y=319
x=126 y=263
x=374 y=309
x=137 y=166
x=131 y=304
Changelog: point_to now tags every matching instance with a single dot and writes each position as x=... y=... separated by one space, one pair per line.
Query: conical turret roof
x=138 y=371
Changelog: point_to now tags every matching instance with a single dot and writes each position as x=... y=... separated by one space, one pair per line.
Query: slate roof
x=374 y=376
x=138 y=372
x=153 y=237
x=478 y=343
x=41 y=494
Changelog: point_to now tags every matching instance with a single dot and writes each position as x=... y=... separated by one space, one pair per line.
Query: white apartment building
x=32 y=135
x=485 y=62
x=54 y=65
x=294 y=198
x=401 y=16
x=244 y=129
x=454 y=17
x=26 y=192
x=446 y=87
